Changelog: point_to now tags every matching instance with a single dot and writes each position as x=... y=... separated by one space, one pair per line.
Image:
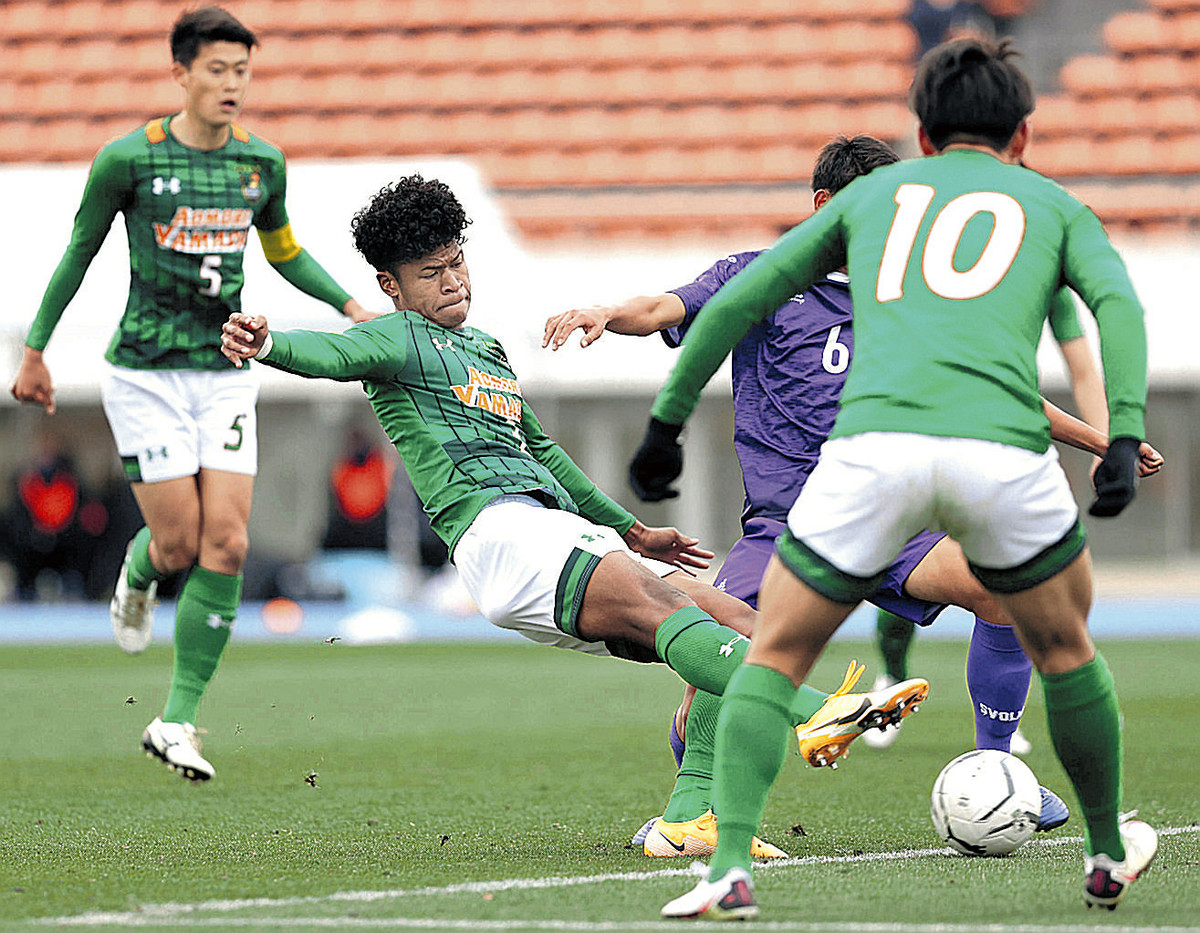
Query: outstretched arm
x=363 y=352
x=640 y=316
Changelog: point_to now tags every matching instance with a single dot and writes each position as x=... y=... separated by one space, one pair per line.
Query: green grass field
x=459 y=782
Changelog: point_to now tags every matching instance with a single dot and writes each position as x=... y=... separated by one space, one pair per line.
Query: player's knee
x=177 y=553
x=224 y=549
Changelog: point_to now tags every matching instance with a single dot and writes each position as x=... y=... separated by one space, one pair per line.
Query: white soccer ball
x=985 y=802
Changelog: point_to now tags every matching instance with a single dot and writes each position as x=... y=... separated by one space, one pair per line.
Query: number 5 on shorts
x=236 y=428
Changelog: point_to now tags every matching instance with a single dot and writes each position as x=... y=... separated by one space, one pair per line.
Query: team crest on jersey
x=496 y=350
x=251 y=186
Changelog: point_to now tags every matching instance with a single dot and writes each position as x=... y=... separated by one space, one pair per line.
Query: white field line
x=178 y=913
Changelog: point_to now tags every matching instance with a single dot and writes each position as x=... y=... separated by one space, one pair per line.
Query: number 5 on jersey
x=941 y=242
x=210 y=271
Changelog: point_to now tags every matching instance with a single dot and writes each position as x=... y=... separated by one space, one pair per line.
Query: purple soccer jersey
x=788 y=374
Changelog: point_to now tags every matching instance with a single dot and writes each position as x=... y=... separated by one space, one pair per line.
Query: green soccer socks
x=204 y=613
x=1085 y=727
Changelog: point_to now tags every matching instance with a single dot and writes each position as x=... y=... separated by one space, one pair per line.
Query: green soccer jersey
x=953 y=261
x=451 y=404
x=188 y=214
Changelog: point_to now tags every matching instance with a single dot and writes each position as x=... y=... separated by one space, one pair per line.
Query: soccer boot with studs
x=177 y=745
x=695 y=837
x=132 y=611
x=845 y=716
x=1106 y=880
x=730 y=897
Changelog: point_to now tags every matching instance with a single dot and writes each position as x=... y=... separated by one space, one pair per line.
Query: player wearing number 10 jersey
x=190 y=187
x=953 y=260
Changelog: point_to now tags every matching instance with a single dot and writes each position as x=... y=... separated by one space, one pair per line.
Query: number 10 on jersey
x=941 y=242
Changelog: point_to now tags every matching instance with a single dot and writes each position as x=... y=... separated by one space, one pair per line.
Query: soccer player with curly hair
x=540 y=548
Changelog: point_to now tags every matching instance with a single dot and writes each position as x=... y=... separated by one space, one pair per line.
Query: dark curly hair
x=407 y=220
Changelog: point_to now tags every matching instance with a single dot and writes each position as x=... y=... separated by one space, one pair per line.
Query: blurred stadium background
x=605 y=148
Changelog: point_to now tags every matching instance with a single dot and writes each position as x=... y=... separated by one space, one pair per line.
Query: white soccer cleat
x=1105 y=880
x=177 y=745
x=885 y=737
x=730 y=898
x=132 y=611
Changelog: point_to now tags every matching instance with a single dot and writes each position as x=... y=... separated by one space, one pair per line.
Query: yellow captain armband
x=279 y=245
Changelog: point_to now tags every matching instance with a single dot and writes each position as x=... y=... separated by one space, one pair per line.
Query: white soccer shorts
x=527 y=567
x=170 y=423
x=872 y=492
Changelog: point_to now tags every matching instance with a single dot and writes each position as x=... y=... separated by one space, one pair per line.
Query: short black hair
x=843 y=159
x=196 y=28
x=407 y=220
x=970 y=91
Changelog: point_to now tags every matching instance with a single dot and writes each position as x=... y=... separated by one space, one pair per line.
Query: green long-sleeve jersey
x=188 y=214
x=451 y=404
x=954 y=261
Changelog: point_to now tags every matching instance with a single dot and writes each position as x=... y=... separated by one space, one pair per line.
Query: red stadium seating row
x=451 y=90
x=462 y=51
x=1138 y=32
x=1122 y=155
x=1170 y=113
x=33 y=19
x=1102 y=75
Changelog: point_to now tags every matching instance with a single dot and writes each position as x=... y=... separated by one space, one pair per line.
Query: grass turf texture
x=436 y=765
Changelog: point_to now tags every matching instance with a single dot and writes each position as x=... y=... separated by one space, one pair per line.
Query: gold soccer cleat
x=696 y=837
x=845 y=716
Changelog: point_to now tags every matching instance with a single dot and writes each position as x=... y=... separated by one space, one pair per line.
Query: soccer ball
x=985 y=802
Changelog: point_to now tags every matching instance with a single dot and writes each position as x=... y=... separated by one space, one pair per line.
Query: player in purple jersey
x=787 y=375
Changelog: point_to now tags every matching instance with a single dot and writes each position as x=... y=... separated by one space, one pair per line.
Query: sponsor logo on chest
x=205 y=230
x=484 y=390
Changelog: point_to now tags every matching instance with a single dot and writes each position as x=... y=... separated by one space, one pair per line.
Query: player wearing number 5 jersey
x=190 y=187
x=953 y=261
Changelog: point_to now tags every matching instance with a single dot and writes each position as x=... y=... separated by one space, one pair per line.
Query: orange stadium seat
x=1126 y=155
x=1115 y=116
x=1088 y=75
x=1181 y=154
x=1173 y=113
x=1057 y=115
x=1137 y=32
x=1062 y=157
x=1185 y=29
x=141 y=18
x=1156 y=73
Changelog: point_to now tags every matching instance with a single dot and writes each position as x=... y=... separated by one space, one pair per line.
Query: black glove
x=657 y=462
x=1116 y=477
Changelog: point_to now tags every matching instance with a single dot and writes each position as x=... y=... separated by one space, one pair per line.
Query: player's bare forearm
x=243 y=337
x=357 y=313
x=669 y=546
x=638 y=317
x=33 y=382
x=1067 y=429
